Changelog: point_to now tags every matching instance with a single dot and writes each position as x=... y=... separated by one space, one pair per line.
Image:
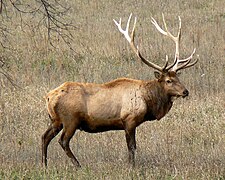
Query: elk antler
x=135 y=48
x=176 y=39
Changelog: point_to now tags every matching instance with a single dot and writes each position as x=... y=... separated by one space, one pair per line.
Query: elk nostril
x=185 y=92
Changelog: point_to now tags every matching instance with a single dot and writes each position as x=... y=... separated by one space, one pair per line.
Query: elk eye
x=169 y=81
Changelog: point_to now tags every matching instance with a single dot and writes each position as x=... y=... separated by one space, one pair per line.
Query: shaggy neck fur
x=157 y=100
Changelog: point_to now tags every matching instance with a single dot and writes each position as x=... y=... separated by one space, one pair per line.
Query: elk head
x=166 y=75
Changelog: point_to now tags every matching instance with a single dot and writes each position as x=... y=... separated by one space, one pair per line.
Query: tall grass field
x=188 y=143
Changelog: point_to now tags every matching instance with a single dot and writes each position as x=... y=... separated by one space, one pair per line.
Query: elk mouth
x=173 y=98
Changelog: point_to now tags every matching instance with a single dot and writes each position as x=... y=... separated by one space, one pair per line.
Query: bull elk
x=122 y=104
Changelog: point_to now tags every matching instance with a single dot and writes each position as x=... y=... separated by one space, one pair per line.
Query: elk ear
x=157 y=74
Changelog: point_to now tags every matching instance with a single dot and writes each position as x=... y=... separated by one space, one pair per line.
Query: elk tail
x=51 y=104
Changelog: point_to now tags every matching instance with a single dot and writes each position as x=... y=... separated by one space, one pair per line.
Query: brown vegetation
x=188 y=143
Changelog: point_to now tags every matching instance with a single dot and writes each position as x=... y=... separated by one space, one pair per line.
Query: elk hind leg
x=49 y=134
x=67 y=134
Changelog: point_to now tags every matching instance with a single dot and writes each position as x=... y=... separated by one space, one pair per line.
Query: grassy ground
x=189 y=143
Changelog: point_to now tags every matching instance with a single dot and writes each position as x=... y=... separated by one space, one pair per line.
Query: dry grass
x=189 y=143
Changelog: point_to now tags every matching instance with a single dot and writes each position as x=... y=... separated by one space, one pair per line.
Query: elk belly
x=103 y=116
x=98 y=125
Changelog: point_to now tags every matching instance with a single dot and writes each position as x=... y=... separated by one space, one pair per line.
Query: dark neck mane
x=157 y=100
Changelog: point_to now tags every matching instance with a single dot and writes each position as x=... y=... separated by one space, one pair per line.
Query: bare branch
x=53 y=15
x=1 y=3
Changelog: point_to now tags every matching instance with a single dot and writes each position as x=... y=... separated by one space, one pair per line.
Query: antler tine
x=186 y=62
x=176 y=39
x=179 y=30
x=188 y=58
x=166 y=63
x=191 y=64
x=167 y=33
x=154 y=22
x=124 y=32
x=131 y=41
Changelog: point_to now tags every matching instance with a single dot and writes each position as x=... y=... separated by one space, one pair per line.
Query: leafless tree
x=53 y=15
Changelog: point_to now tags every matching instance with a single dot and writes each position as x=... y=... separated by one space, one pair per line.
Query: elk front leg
x=131 y=145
